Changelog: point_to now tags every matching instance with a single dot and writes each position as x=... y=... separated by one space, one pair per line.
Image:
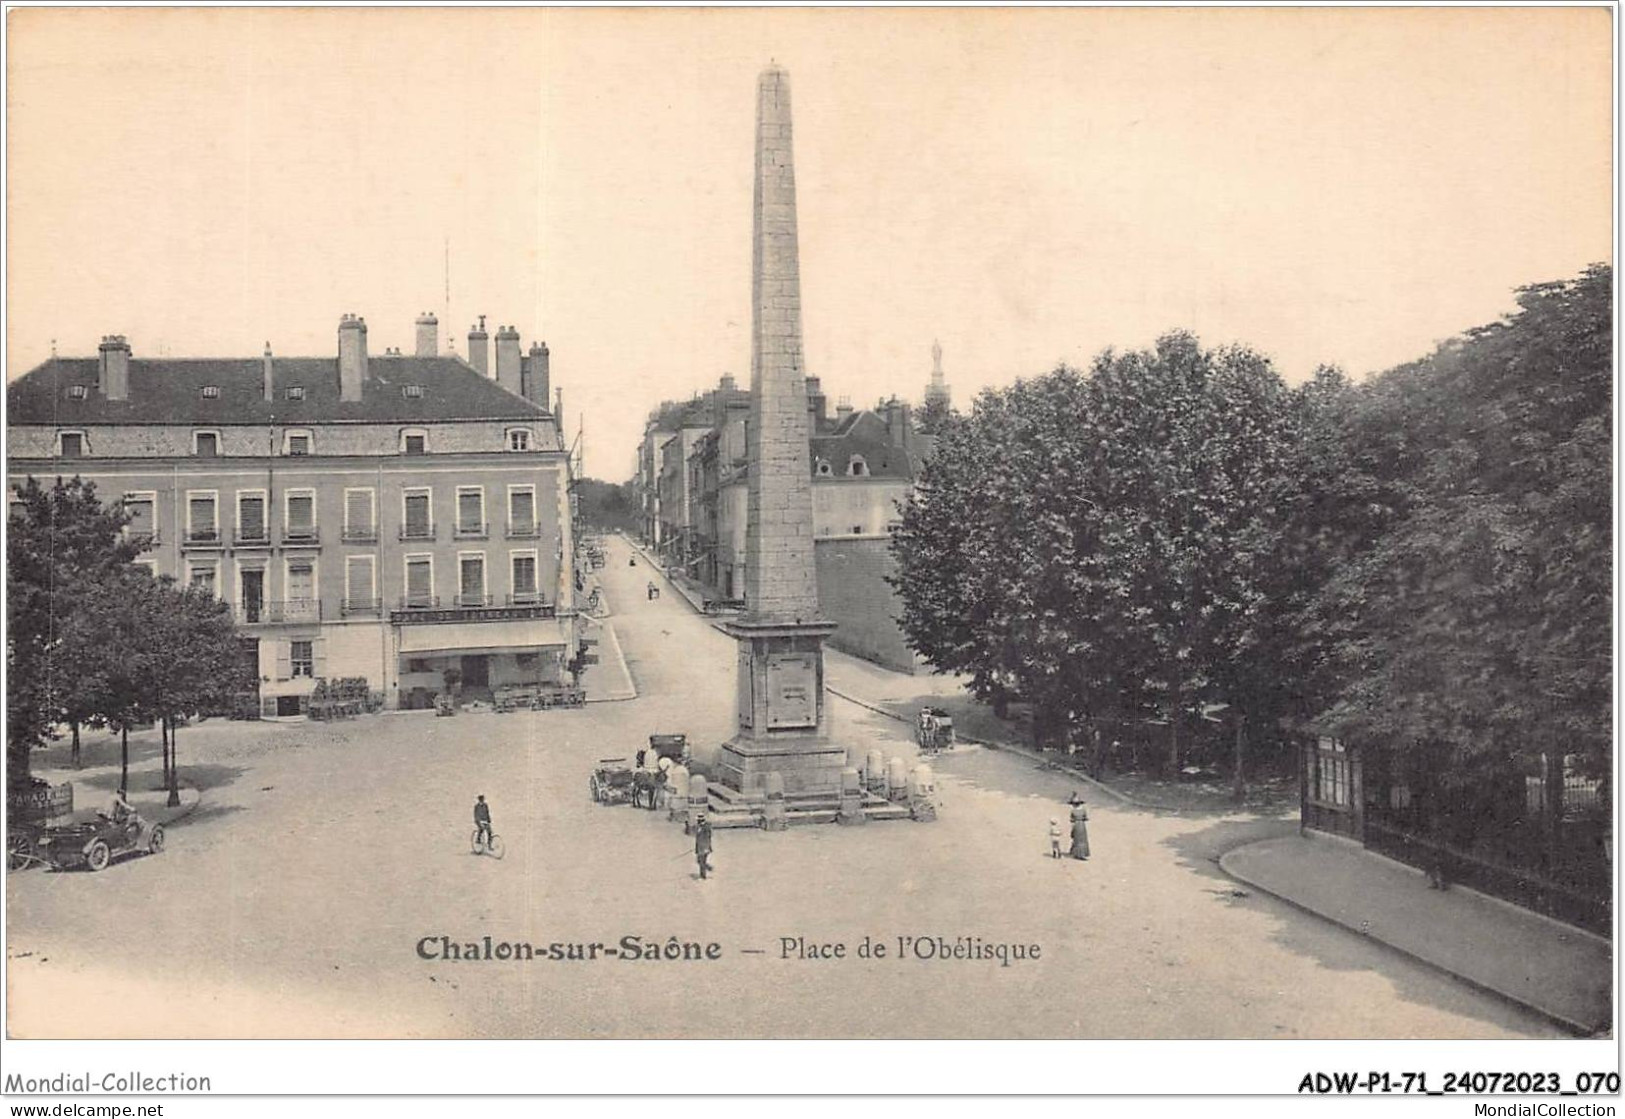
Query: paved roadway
x=292 y=902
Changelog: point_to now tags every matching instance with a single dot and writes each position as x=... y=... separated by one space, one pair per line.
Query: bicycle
x=482 y=846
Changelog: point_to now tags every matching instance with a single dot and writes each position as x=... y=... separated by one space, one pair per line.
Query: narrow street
x=293 y=901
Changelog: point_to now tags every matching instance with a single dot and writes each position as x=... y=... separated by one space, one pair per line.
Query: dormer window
x=206 y=444
x=211 y=392
x=825 y=470
x=519 y=439
x=857 y=468
x=412 y=392
x=296 y=443
x=294 y=392
x=77 y=392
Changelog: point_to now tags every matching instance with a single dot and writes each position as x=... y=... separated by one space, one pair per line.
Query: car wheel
x=97 y=856
x=155 y=843
x=592 y=787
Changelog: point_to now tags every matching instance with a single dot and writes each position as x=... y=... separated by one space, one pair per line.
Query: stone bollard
x=698 y=802
x=677 y=792
x=773 y=809
x=851 y=811
x=922 y=794
x=874 y=773
x=897 y=780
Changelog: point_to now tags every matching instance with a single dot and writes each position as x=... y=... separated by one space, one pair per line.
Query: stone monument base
x=809 y=766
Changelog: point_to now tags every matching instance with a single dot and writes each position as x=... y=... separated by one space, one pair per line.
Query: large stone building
x=863 y=463
x=388 y=516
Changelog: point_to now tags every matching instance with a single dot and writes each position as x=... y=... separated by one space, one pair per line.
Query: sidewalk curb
x=620 y=657
x=1021 y=751
x=1577 y=1028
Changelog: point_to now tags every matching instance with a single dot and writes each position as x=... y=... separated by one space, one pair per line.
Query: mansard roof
x=170 y=390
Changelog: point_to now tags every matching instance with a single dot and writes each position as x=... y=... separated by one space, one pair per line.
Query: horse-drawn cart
x=934 y=730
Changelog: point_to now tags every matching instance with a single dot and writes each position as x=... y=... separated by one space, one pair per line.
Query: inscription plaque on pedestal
x=792 y=685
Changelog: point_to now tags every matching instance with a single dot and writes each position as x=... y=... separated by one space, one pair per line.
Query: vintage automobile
x=97 y=842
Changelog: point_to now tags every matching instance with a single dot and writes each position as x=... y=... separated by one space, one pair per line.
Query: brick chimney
x=898 y=423
x=479 y=355
x=113 y=374
x=268 y=383
x=428 y=335
x=539 y=377
x=843 y=408
x=727 y=382
x=508 y=374
x=817 y=402
x=352 y=358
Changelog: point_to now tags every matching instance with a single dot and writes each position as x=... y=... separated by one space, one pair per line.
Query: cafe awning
x=485 y=637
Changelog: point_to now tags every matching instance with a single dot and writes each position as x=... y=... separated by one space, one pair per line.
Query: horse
x=645 y=783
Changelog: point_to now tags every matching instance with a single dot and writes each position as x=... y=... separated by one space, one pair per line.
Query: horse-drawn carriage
x=934 y=730
x=614 y=781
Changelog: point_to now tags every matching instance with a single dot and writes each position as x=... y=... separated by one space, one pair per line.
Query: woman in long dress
x=1080 y=828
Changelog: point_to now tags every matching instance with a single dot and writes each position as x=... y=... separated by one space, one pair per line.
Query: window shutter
x=251 y=512
x=318 y=649
x=417 y=579
x=358 y=510
x=473 y=577
x=417 y=513
x=469 y=510
x=522 y=512
x=359 y=587
x=300 y=511
x=284 y=660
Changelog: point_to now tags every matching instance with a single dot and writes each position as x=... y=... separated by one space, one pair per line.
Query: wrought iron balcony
x=299 y=535
x=467 y=601
x=355 y=606
x=203 y=538
x=368 y=535
x=524 y=531
x=525 y=598
x=471 y=531
x=419 y=601
x=291 y=610
x=417 y=532
x=251 y=538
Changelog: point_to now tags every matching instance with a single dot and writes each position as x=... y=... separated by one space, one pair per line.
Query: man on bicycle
x=482 y=821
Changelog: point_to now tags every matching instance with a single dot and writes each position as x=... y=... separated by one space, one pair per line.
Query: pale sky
x=1029 y=186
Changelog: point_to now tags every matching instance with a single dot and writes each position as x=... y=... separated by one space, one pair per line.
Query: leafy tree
x=1102 y=541
x=59 y=542
x=607 y=506
x=1481 y=619
x=933 y=415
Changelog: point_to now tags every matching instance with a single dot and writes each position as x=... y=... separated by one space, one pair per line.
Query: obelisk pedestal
x=783 y=719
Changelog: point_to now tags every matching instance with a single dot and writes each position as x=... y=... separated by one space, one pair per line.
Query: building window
x=412 y=392
x=414 y=442
x=302 y=657
x=251 y=523
x=419 y=581
x=470 y=511
x=204 y=577
x=360 y=584
x=417 y=522
x=471 y=579
x=206 y=444
x=211 y=392
x=142 y=509
x=71 y=444
x=824 y=469
x=301 y=515
x=360 y=523
x=521 y=510
x=200 y=521
x=419 y=664
x=77 y=392
x=296 y=443
x=857 y=467
x=524 y=578
x=294 y=392
x=519 y=439
x=857 y=530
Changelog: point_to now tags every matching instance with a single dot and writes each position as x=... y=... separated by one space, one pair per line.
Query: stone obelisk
x=783 y=720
